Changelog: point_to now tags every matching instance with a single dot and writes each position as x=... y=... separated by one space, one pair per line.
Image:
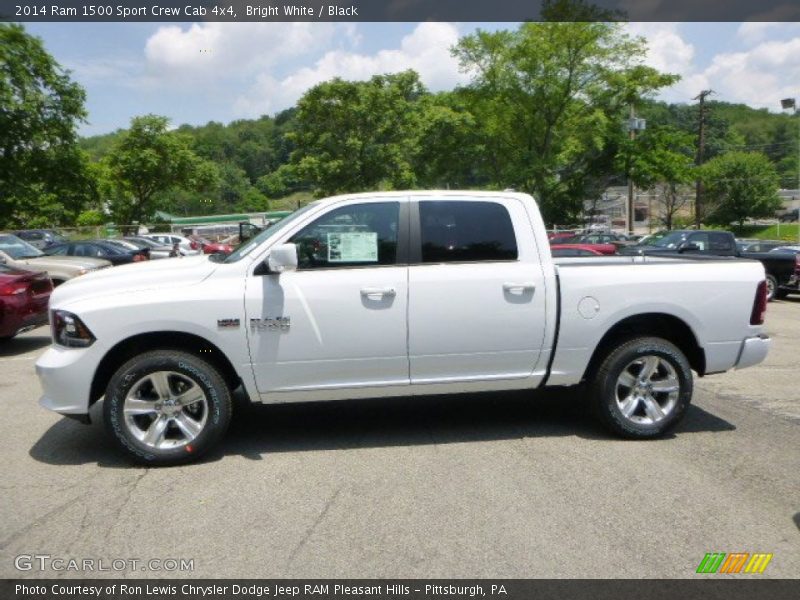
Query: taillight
x=139 y=257
x=193 y=245
x=759 y=305
x=14 y=288
x=797 y=264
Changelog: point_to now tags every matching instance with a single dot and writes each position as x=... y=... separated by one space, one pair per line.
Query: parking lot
x=492 y=485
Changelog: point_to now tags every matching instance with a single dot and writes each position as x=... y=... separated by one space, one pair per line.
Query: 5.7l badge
x=271 y=323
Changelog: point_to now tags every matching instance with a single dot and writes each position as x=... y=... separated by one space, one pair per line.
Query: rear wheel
x=772 y=287
x=166 y=407
x=642 y=388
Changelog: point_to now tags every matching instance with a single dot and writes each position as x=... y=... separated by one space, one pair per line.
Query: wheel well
x=160 y=340
x=661 y=325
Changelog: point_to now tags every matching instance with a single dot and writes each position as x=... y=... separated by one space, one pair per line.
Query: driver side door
x=340 y=320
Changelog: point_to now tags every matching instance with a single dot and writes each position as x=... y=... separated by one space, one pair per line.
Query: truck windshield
x=249 y=246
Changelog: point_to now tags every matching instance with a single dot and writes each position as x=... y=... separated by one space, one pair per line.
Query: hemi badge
x=226 y=323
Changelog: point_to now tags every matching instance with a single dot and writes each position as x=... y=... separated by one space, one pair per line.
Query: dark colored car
x=782 y=266
x=682 y=241
x=779 y=266
x=114 y=253
x=23 y=300
x=40 y=238
x=791 y=216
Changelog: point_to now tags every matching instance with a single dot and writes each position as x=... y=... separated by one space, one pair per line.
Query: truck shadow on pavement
x=22 y=344
x=258 y=430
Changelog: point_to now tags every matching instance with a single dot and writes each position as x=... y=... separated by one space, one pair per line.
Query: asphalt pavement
x=490 y=485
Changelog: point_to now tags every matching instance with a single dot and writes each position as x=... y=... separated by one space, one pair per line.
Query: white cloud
x=214 y=51
x=426 y=50
x=760 y=76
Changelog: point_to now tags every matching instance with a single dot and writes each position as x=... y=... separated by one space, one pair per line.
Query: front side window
x=456 y=231
x=356 y=235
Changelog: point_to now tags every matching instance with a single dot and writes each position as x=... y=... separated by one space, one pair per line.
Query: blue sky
x=194 y=73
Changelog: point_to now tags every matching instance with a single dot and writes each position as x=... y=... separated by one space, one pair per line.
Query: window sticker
x=353 y=246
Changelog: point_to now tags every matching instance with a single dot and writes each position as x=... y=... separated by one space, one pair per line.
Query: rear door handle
x=523 y=286
x=375 y=291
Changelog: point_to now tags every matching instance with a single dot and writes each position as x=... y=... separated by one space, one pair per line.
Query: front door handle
x=375 y=291
x=524 y=286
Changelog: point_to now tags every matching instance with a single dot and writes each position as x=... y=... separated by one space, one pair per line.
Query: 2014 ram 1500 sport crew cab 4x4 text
x=392 y=294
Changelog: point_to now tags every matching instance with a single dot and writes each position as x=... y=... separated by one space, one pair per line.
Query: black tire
x=186 y=369
x=772 y=288
x=605 y=387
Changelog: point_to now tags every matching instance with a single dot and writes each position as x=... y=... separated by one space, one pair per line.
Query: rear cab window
x=466 y=231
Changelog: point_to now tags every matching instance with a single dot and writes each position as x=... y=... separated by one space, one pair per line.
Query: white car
x=393 y=294
x=186 y=246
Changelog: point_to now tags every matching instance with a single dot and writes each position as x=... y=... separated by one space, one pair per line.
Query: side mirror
x=688 y=247
x=282 y=258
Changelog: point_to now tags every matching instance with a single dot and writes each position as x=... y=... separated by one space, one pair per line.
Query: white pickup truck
x=393 y=294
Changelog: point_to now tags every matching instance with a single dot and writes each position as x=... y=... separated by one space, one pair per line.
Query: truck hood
x=134 y=277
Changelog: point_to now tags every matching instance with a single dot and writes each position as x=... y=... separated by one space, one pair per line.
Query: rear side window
x=453 y=231
x=719 y=242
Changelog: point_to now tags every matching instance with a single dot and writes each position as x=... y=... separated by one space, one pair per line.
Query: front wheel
x=166 y=407
x=643 y=388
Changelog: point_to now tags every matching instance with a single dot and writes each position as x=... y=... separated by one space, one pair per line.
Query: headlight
x=82 y=272
x=69 y=330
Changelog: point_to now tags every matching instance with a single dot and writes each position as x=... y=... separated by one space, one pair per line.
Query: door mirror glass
x=282 y=258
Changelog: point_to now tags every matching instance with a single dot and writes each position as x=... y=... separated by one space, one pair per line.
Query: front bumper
x=754 y=350
x=66 y=378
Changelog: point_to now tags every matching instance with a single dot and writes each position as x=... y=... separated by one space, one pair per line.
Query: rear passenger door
x=476 y=305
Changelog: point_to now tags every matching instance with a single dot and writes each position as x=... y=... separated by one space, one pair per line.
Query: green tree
x=44 y=178
x=738 y=186
x=147 y=160
x=353 y=136
x=547 y=96
x=661 y=161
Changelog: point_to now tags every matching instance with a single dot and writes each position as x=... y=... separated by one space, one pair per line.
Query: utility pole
x=633 y=126
x=701 y=147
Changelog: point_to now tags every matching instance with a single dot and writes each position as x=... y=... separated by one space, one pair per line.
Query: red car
x=210 y=247
x=569 y=250
x=595 y=242
x=23 y=300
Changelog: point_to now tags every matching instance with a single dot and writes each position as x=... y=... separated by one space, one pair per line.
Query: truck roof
x=426 y=193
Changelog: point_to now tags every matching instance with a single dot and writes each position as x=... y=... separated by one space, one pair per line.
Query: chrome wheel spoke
x=629 y=405
x=188 y=426
x=649 y=367
x=155 y=433
x=652 y=408
x=160 y=381
x=137 y=406
x=668 y=385
x=190 y=396
x=626 y=379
